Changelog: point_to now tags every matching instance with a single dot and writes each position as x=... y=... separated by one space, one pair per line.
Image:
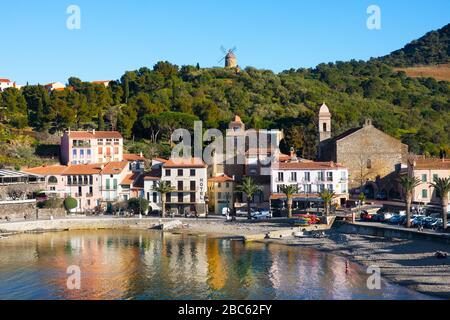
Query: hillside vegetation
x=146 y=105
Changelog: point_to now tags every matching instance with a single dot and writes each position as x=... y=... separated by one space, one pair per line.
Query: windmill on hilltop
x=229 y=57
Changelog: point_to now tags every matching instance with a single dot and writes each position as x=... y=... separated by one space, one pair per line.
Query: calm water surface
x=150 y=265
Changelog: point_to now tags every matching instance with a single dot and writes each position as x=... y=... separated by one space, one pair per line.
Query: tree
x=138 y=205
x=289 y=191
x=248 y=187
x=163 y=188
x=442 y=188
x=409 y=184
x=70 y=203
x=327 y=197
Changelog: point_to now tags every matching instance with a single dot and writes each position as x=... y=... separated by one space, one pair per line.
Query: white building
x=311 y=178
x=58 y=86
x=6 y=83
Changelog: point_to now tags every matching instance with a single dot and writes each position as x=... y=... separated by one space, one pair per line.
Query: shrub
x=70 y=203
x=137 y=204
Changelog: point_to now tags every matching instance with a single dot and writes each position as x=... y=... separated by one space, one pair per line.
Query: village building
x=54 y=86
x=189 y=179
x=371 y=156
x=221 y=194
x=426 y=170
x=6 y=83
x=86 y=147
x=102 y=82
x=311 y=179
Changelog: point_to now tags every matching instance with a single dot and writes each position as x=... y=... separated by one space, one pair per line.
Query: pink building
x=86 y=147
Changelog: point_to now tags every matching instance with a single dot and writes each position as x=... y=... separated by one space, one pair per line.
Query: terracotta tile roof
x=83 y=169
x=129 y=179
x=307 y=166
x=95 y=135
x=185 y=163
x=431 y=164
x=133 y=157
x=47 y=170
x=114 y=167
x=161 y=160
x=221 y=178
x=5 y=80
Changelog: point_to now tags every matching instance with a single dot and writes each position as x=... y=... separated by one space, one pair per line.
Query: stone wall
x=28 y=188
x=21 y=210
x=370 y=146
x=18 y=210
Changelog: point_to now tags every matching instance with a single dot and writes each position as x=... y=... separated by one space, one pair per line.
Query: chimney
x=93 y=131
x=141 y=154
x=293 y=155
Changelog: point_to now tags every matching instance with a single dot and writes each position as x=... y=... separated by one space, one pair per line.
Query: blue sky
x=118 y=35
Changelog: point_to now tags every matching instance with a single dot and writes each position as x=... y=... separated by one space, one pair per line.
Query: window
x=219 y=195
x=52 y=180
x=227 y=184
x=168 y=197
x=192 y=172
x=192 y=197
x=81 y=153
x=88 y=153
x=74 y=153
x=329 y=176
x=369 y=164
x=330 y=187
x=155 y=197
x=180 y=172
x=308 y=188
x=435 y=176
x=307 y=176
x=321 y=188
x=325 y=127
x=294 y=176
x=425 y=193
x=180 y=185
x=108 y=184
x=280 y=177
x=424 y=178
x=100 y=150
x=115 y=184
x=343 y=175
x=180 y=197
x=321 y=176
x=193 y=186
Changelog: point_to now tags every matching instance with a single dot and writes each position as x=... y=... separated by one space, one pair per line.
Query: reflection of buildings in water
x=217 y=266
x=177 y=260
x=107 y=264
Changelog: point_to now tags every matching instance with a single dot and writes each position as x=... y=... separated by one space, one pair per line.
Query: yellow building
x=220 y=192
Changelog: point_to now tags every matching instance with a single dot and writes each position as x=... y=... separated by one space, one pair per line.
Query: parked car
x=428 y=222
x=418 y=220
x=382 y=216
x=366 y=216
x=226 y=211
x=396 y=219
x=261 y=215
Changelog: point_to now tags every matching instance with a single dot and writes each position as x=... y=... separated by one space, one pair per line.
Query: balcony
x=89 y=195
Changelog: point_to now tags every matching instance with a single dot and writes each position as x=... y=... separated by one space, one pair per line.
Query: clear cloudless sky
x=118 y=35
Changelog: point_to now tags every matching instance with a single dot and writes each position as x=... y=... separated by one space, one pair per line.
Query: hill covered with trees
x=146 y=105
x=433 y=48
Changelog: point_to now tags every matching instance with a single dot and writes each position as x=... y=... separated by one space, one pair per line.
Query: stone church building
x=372 y=157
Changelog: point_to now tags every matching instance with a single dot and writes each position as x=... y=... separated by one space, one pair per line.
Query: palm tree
x=248 y=187
x=409 y=184
x=442 y=187
x=289 y=191
x=327 y=197
x=163 y=187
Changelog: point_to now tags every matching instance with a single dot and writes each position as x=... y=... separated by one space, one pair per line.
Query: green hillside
x=148 y=104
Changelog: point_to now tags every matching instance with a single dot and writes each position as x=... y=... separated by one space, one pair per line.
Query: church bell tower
x=324 y=123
